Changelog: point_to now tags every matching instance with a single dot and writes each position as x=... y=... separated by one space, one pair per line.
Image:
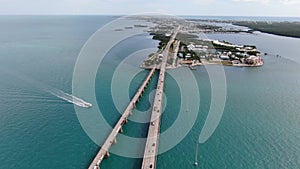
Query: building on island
x=254 y=60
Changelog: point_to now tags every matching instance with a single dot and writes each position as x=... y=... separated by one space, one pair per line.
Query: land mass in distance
x=290 y=29
x=189 y=49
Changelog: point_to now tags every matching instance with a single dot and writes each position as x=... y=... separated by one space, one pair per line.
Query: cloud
x=290 y=2
x=254 y=1
x=184 y=1
x=180 y=7
x=201 y=1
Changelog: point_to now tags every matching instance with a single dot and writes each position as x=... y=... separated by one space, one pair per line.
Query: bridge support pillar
x=107 y=154
x=121 y=130
x=115 y=141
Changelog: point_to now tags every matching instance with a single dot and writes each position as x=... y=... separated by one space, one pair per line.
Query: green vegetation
x=291 y=29
x=162 y=38
x=210 y=27
x=182 y=36
x=225 y=48
x=189 y=38
x=255 y=53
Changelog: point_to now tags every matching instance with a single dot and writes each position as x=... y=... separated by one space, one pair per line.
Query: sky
x=290 y=8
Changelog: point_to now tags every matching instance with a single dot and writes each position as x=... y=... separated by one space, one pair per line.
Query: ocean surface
x=260 y=126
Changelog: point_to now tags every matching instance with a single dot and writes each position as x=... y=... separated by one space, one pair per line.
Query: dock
x=112 y=138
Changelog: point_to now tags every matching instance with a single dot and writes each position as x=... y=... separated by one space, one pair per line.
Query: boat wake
x=70 y=98
x=53 y=91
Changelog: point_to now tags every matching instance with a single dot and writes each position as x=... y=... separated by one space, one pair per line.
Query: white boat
x=87 y=105
x=196 y=156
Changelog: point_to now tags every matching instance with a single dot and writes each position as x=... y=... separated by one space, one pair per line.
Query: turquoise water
x=38 y=130
x=260 y=126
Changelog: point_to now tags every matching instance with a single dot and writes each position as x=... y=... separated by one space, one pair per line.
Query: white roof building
x=224 y=57
x=188 y=55
x=191 y=47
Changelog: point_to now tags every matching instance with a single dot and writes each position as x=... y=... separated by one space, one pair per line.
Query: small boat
x=88 y=105
x=196 y=156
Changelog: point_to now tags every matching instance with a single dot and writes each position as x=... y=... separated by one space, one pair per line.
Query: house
x=245 y=55
x=253 y=60
x=188 y=55
x=191 y=47
x=168 y=34
x=224 y=57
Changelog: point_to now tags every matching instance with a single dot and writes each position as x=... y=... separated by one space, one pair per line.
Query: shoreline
x=191 y=50
x=192 y=67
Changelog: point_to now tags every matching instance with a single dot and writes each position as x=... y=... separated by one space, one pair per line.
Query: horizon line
x=94 y=14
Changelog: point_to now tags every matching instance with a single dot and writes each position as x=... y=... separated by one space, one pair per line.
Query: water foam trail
x=70 y=98
x=19 y=100
x=20 y=94
x=53 y=91
x=28 y=97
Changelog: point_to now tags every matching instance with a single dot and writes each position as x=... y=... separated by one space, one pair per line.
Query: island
x=190 y=50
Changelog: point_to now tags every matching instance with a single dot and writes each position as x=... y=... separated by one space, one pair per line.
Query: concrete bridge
x=151 y=148
x=112 y=138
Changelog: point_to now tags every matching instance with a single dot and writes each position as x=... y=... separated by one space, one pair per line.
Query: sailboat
x=196 y=156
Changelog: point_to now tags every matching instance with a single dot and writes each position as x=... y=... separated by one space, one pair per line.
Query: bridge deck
x=151 y=148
